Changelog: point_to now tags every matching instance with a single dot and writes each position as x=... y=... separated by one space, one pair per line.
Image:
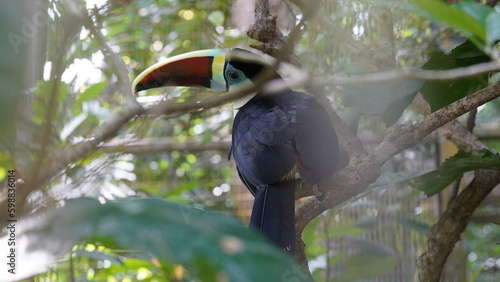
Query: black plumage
x=276 y=137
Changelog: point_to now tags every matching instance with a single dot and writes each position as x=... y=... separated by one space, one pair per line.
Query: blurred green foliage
x=211 y=246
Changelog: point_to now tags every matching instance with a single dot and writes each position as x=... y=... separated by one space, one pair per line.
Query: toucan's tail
x=273 y=213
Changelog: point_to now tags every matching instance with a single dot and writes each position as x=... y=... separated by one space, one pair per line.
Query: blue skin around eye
x=241 y=76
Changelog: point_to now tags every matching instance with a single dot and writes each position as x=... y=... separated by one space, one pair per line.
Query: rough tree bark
x=447 y=231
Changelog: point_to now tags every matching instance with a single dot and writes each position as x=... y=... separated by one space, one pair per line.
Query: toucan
x=276 y=137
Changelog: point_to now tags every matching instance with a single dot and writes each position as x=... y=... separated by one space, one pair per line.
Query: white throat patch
x=240 y=102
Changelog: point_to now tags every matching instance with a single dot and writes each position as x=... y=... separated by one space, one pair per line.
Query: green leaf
x=474 y=9
x=433 y=182
x=493 y=27
x=216 y=18
x=387 y=99
x=209 y=245
x=476 y=274
x=310 y=236
x=62 y=92
x=489 y=18
x=7 y=162
x=97 y=255
x=443 y=92
x=455 y=18
x=46 y=100
x=89 y=94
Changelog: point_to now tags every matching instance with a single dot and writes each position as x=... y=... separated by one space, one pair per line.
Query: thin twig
x=455 y=187
x=153 y=145
x=405 y=73
x=117 y=64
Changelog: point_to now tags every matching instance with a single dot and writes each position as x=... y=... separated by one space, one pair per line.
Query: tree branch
x=405 y=73
x=492 y=217
x=154 y=145
x=443 y=235
x=264 y=29
x=354 y=179
x=456 y=109
x=461 y=137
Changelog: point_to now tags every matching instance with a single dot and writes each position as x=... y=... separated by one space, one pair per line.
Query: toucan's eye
x=233 y=75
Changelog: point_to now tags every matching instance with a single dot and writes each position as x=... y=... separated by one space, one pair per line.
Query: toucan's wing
x=262 y=143
x=249 y=185
x=315 y=138
x=263 y=150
